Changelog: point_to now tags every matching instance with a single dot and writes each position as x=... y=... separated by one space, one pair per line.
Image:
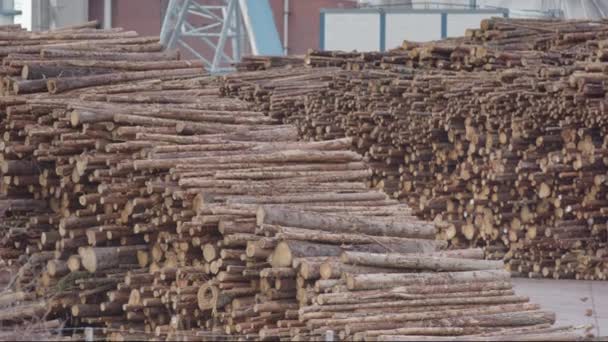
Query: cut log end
x=260 y=216
x=51 y=86
x=74 y=263
x=205 y=297
x=325 y=270
x=74 y=118
x=89 y=259
x=282 y=256
x=4 y=166
x=143 y=258
x=180 y=127
x=209 y=252
x=25 y=71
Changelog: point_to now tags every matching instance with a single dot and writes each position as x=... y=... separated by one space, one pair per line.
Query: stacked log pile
x=55 y=157
x=155 y=209
x=499 y=136
x=411 y=291
x=497 y=45
x=277 y=254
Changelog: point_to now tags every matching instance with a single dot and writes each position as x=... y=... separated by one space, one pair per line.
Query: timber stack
x=153 y=208
x=252 y=63
x=499 y=136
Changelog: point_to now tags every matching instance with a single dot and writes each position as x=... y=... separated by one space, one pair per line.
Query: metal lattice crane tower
x=227 y=27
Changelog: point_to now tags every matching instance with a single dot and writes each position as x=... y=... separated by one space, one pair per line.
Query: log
x=380 y=281
x=101 y=258
x=415 y=245
x=60 y=85
x=335 y=223
x=438 y=264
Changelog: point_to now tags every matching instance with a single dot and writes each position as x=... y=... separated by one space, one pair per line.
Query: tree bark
x=383 y=281
x=419 y=262
x=61 y=85
x=343 y=224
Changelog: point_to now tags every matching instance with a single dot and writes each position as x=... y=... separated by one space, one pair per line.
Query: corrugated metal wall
x=570 y=9
x=378 y=29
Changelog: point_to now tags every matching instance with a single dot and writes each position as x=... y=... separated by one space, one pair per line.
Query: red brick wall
x=143 y=16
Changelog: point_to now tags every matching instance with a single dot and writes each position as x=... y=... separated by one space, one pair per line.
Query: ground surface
x=570 y=300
